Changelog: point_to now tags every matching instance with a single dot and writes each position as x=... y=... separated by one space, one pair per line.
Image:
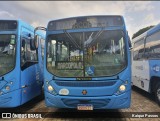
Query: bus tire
x=157 y=93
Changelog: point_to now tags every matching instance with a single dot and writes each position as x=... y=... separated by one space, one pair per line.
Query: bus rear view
x=87 y=63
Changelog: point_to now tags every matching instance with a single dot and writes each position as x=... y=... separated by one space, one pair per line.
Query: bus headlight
x=122 y=88
x=50 y=88
x=1 y=92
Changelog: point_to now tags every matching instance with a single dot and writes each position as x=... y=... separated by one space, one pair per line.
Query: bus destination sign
x=8 y=25
x=85 y=22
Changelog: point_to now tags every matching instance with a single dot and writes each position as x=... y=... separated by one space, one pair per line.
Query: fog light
x=64 y=92
x=50 y=88
x=1 y=92
x=7 y=88
x=122 y=88
x=126 y=82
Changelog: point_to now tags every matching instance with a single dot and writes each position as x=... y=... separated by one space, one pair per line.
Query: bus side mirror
x=34 y=42
x=23 y=43
x=129 y=43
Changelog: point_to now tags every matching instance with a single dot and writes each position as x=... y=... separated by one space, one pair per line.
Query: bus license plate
x=84 y=107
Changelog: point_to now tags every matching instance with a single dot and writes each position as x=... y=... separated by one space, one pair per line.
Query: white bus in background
x=146 y=62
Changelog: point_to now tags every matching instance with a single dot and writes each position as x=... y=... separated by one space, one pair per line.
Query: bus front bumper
x=101 y=102
x=10 y=99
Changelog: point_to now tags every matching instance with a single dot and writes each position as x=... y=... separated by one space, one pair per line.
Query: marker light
x=47 y=82
x=1 y=92
x=122 y=88
x=7 y=88
x=50 y=88
x=126 y=82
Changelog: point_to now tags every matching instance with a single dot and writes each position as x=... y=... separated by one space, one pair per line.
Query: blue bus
x=146 y=62
x=21 y=63
x=87 y=63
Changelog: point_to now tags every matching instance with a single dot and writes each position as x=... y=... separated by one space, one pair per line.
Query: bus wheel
x=157 y=93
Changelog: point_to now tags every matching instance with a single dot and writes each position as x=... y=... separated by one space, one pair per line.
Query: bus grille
x=97 y=103
x=85 y=84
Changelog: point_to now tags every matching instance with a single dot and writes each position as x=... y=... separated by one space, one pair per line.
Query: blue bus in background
x=87 y=63
x=146 y=61
x=21 y=63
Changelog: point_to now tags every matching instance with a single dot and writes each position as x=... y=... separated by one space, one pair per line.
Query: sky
x=137 y=14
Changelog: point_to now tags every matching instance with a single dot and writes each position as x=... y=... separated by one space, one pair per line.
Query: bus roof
x=153 y=29
x=147 y=33
x=87 y=16
x=139 y=37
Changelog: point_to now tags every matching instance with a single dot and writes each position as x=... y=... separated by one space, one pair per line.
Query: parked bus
x=87 y=63
x=21 y=69
x=146 y=61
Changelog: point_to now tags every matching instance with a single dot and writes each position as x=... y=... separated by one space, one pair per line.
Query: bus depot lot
x=141 y=102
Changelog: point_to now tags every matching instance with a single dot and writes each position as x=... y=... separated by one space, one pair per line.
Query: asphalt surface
x=142 y=104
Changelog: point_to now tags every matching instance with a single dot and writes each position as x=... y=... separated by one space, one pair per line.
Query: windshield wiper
x=71 y=38
x=90 y=39
x=95 y=37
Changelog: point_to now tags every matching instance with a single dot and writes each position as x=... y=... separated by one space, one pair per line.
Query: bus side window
x=140 y=54
x=23 y=57
x=147 y=52
x=135 y=55
x=42 y=48
x=27 y=55
x=152 y=49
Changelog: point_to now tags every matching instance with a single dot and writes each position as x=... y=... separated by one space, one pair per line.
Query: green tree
x=141 y=31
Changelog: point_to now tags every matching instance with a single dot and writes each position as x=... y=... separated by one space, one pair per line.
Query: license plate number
x=84 y=107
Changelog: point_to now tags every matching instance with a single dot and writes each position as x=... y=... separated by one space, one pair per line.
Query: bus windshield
x=86 y=54
x=7 y=53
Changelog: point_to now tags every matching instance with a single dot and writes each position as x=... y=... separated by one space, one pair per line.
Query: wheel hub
x=158 y=94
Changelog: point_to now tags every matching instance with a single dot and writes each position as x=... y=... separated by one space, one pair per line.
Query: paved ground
x=141 y=102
